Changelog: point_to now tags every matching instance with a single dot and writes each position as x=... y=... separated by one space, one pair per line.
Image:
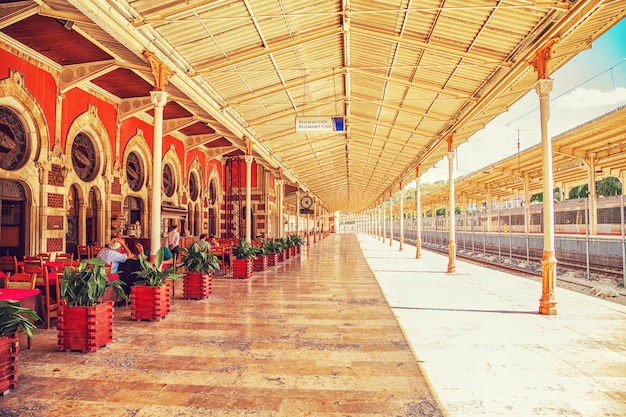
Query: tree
x=609 y=186
x=605 y=187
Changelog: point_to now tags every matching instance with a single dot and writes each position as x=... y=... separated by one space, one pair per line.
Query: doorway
x=13 y=219
x=71 y=231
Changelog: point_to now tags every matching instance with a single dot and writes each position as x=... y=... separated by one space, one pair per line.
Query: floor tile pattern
x=312 y=336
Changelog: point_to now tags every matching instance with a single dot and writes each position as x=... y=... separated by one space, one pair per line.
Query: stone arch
x=138 y=144
x=194 y=225
x=214 y=176
x=31 y=174
x=13 y=94
x=90 y=124
x=171 y=158
x=98 y=233
x=196 y=169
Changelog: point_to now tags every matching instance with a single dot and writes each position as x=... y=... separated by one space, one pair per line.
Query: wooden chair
x=64 y=257
x=95 y=249
x=224 y=254
x=84 y=252
x=47 y=281
x=21 y=280
x=8 y=264
x=44 y=256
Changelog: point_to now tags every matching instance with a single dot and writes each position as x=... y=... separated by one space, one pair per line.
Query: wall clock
x=306 y=202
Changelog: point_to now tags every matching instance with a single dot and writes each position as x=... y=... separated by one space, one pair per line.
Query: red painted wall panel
x=39 y=83
x=76 y=102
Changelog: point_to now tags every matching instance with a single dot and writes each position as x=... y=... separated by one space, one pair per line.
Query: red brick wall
x=56 y=200
x=116 y=187
x=55 y=176
x=54 y=244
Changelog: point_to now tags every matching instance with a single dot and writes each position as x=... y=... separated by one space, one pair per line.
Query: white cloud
x=583 y=98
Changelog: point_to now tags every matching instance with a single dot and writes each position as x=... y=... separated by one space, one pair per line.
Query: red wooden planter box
x=9 y=349
x=260 y=263
x=281 y=256
x=150 y=303
x=85 y=328
x=272 y=259
x=293 y=250
x=285 y=254
x=196 y=285
x=242 y=268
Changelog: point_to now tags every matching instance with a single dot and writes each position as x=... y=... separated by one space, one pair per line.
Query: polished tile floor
x=312 y=336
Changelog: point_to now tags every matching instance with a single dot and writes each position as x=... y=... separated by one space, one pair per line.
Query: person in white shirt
x=173 y=239
x=112 y=254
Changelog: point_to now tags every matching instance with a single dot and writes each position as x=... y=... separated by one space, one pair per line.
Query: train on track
x=570 y=217
x=507 y=236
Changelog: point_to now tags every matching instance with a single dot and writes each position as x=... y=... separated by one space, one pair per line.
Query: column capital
x=543 y=86
x=249 y=159
x=158 y=98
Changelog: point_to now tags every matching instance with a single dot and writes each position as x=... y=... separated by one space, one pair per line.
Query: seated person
x=201 y=243
x=213 y=243
x=112 y=255
x=128 y=275
x=167 y=253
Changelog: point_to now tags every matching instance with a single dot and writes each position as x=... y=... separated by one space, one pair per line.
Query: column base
x=390 y=240
x=547 y=302
x=451 y=257
x=401 y=242
x=418 y=248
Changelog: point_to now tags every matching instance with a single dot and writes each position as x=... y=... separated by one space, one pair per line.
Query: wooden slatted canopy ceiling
x=404 y=74
x=603 y=139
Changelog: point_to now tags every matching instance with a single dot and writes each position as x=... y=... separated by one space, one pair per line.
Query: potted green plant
x=200 y=264
x=151 y=294
x=260 y=262
x=84 y=322
x=295 y=242
x=13 y=317
x=272 y=248
x=283 y=255
x=244 y=257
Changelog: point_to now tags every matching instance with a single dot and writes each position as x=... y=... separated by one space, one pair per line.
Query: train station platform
x=487 y=352
x=351 y=327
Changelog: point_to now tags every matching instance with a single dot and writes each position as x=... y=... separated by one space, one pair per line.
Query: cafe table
x=27 y=298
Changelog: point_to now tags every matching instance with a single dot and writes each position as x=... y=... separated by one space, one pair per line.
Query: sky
x=591 y=84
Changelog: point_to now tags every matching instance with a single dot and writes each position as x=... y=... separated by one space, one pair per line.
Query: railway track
x=535 y=272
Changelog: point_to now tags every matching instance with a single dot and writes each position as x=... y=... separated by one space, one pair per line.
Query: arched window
x=84 y=157
x=13 y=144
x=212 y=192
x=193 y=186
x=168 y=181
x=134 y=172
